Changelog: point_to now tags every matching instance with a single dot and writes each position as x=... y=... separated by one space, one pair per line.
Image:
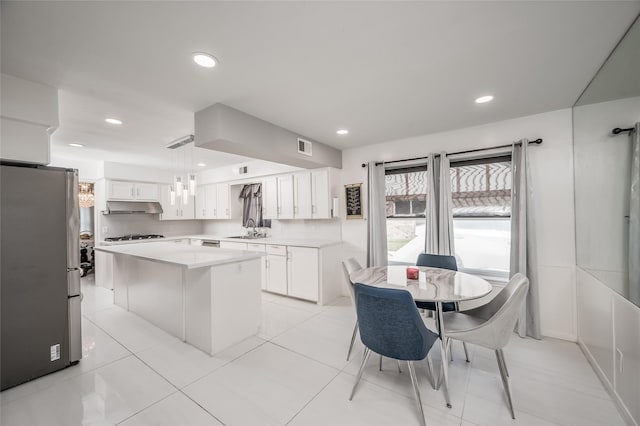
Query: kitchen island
x=207 y=297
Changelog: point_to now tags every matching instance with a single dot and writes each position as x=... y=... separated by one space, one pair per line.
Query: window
x=481 y=196
x=406 y=202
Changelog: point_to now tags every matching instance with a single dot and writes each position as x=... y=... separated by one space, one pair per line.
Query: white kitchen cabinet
x=302 y=272
x=270 y=198
x=206 y=202
x=276 y=269
x=214 y=202
x=261 y=249
x=120 y=190
x=302 y=195
x=320 y=194
x=233 y=245
x=138 y=191
x=285 y=197
x=223 y=200
x=146 y=191
x=104 y=269
x=177 y=211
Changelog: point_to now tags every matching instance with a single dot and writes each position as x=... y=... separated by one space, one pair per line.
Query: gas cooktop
x=134 y=237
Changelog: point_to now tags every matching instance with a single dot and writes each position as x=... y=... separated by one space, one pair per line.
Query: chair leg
x=399 y=369
x=365 y=358
x=416 y=390
x=466 y=352
x=450 y=349
x=353 y=339
x=505 y=379
x=432 y=378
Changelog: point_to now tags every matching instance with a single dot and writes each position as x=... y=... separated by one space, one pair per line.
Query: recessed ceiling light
x=76 y=145
x=113 y=121
x=204 y=60
x=343 y=132
x=484 y=99
x=201 y=164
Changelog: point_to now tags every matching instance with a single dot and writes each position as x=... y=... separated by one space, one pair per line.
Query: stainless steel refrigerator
x=40 y=275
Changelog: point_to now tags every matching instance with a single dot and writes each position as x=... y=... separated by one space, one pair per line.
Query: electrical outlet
x=620 y=360
x=105 y=229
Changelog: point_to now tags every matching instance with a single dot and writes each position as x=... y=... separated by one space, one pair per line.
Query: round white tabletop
x=432 y=285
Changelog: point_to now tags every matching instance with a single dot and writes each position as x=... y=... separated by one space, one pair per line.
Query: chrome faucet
x=253 y=225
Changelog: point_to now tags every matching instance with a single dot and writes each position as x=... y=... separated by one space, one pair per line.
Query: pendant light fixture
x=184 y=184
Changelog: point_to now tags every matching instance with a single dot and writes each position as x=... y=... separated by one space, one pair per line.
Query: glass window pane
x=483 y=245
x=405 y=239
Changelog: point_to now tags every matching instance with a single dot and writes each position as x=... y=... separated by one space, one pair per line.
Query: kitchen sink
x=248 y=237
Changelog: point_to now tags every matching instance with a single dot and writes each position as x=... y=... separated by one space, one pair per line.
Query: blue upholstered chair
x=443 y=262
x=391 y=326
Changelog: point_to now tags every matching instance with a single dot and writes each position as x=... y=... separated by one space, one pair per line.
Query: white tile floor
x=294 y=372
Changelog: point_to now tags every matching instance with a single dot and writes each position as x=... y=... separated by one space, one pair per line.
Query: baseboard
x=626 y=415
x=560 y=335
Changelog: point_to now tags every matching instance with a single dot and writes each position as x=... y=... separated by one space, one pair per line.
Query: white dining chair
x=491 y=325
x=350 y=266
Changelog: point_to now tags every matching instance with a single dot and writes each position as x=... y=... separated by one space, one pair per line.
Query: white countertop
x=297 y=242
x=184 y=255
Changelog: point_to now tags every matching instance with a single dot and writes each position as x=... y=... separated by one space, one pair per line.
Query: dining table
x=432 y=285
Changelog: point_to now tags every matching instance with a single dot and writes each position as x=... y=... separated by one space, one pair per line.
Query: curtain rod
x=618 y=130
x=537 y=142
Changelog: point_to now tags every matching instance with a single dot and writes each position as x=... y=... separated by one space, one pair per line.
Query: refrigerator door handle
x=75 y=330
x=73 y=220
x=73 y=282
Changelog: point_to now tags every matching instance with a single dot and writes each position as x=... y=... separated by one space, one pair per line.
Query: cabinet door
x=302 y=195
x=232 y=245
x=270 y=198
x=201 y=202
x=211 y=194
x=277 y=274
x=303 y=272
x=263 y=271
x=188 y=210
x=285 y=197
x=120 y=190
x=320 y=194
x=146 y=191
x=222 y=201
x=169 y=212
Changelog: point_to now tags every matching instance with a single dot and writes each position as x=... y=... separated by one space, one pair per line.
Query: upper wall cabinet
x=300 y=195
x=122 y=190
x=217 y=201
x=320 y=194
x=179 y=210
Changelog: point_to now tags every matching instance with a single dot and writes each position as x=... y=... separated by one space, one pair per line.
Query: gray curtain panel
x=251 y=195
x=376 y=217
x=439 y=237
x=634 y=218
x=523 y=243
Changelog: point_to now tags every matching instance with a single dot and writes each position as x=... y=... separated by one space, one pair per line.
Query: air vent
x=242 y=170
x=304 y=147
x=180 y=142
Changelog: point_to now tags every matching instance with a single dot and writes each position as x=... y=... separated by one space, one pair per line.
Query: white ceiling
x=383 y=70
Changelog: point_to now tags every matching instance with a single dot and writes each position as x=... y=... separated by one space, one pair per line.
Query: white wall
x=29 y=115
x=255 y=168
x=88 y=170
x=608 y=323
x=552 y=179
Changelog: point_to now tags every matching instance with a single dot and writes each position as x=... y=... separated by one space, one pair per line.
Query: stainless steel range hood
x=133 y=207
